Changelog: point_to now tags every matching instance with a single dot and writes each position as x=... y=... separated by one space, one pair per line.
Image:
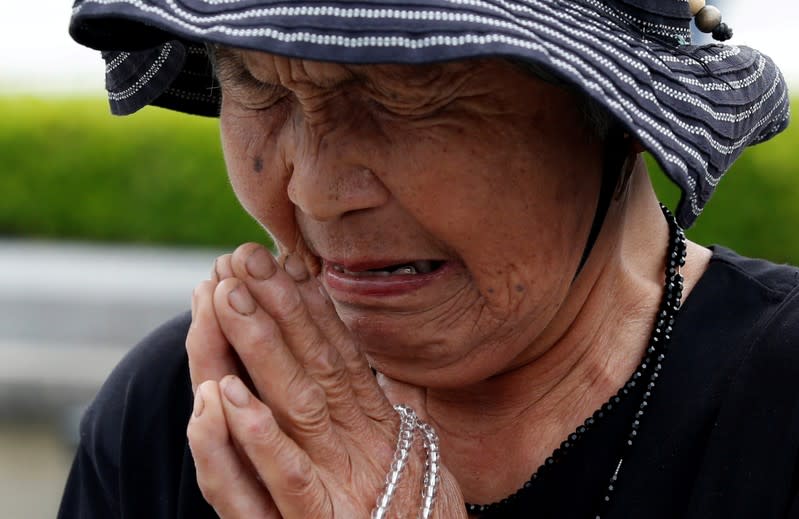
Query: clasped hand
x=289 y=421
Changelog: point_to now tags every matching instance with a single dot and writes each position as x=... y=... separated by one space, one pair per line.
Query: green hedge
x=70 y=170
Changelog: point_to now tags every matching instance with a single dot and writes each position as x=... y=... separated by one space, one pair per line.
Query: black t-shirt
x=720 y=439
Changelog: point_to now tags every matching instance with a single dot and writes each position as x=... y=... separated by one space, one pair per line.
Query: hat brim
x=694 y=108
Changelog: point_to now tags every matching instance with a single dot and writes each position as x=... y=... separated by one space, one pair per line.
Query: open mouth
x=412 y=268
x=382 y=278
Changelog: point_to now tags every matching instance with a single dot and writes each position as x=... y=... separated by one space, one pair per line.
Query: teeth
x=417 y=267
x=364 y=273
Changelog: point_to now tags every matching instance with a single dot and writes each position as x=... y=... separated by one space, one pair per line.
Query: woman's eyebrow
x=221 y=52
x=412 y=75
x=227 y=64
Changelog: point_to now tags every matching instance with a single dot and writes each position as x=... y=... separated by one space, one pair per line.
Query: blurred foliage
x=70 y=170
x=755 y=209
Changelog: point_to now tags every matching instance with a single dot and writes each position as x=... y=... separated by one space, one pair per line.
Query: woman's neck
x=529 y=410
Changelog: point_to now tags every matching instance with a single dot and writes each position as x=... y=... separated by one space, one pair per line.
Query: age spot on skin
x=258 y=164
x=520 y=288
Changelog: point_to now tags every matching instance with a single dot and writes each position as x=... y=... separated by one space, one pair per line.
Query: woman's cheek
x=258 y=174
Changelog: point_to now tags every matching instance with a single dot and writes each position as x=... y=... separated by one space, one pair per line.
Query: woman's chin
x=422 y=367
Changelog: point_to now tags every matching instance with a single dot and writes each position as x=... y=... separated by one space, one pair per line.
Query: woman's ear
x=630 y=150
x=625 y=175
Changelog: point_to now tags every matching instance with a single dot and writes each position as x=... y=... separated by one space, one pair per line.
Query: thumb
x=399 y=392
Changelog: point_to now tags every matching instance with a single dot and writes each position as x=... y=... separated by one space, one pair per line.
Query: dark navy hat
x=695 y=108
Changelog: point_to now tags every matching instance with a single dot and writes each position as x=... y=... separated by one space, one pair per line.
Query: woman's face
x=444 y=207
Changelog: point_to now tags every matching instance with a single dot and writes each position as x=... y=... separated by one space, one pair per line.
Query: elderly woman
x=479 y=308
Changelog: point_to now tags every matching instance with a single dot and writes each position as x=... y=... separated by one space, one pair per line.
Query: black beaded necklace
x=649 y=370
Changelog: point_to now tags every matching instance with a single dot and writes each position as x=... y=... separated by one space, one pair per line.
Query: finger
x=287 y=471
x=222 y=268
x=298 y=401
x=362 y=380
x=276 y=291
x=225 y=481
x=210 y=354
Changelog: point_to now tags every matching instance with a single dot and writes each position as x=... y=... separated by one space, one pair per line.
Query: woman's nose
x=329 y=193
x=332 y=178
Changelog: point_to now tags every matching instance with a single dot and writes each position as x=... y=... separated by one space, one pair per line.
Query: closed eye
x=394 y=91
x=404 y=104
x=238 y=83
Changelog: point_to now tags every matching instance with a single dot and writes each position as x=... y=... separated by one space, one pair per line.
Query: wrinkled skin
x=378 y=165
x=472 y=163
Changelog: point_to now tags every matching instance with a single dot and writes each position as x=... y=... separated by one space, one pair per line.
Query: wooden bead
x=695 y=6
x=708 y=18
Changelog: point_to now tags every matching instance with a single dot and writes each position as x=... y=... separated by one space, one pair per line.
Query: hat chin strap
x=615 y=156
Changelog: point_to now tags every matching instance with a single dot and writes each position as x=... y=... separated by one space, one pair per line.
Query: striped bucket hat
x=695 y=108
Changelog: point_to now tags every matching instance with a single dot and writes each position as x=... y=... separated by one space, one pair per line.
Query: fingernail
x=296 y=268
x=235 y=391
x=215 y=271
x=241 y=300
x=199 y=403
x=260 y=264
